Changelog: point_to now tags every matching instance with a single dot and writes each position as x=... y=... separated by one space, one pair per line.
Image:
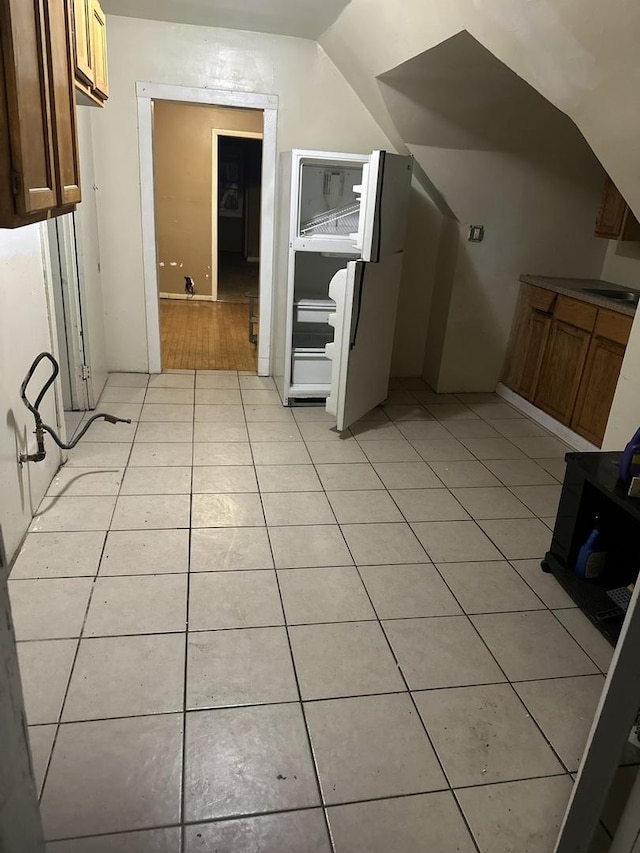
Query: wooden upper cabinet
x=99 y=42
x=82 y=20
x=65 y=135
x=615 y=220
x=90 y=36
x=38 y=141
x=29 y=183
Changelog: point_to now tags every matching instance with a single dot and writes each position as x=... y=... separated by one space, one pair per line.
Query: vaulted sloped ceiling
x=459 y=95
x=304 y=18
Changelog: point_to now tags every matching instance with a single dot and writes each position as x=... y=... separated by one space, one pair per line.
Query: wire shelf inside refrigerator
x=337 y=221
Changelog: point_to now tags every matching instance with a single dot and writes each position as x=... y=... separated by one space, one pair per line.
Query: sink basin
x=619 y=295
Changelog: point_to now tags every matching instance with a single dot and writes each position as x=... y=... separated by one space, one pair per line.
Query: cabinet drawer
x=541 y=299
x=575 y=313
x=314 y=310
x=613 y=326
x=310 y=367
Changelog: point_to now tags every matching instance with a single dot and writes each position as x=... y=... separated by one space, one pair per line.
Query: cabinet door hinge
x=86 y=372
x=16 y=182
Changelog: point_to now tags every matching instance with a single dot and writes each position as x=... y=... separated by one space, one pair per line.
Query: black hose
x=41 y=427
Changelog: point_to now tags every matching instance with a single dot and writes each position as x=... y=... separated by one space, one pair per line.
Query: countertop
x=575 y=287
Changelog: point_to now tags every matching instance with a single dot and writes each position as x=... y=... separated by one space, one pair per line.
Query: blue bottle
x=592 y=557
x=629 y=466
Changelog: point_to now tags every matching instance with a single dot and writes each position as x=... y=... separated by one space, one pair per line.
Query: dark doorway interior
x=239 y=174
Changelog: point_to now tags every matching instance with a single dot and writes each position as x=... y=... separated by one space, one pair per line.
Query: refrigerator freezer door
x=384 y=203
x=366 y=297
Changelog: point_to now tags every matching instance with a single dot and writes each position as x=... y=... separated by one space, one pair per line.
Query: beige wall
x=538 y=215
x=580 y=54
x=183 y=174
x=25 y=333
x=316 y=109
x=622 y=266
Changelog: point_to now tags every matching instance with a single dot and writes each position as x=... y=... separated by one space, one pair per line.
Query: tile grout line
x=381 y=625
x=384 y=488
x=416 y=710
x=79 y=640
x=173 y=632
x=299 y=703
x=364 y=587
x=260 y=493
x=311 y=701
x=183 y=767
x=502 y=670
x=299 y=809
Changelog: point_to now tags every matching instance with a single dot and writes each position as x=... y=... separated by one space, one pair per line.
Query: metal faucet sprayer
x=41 y=427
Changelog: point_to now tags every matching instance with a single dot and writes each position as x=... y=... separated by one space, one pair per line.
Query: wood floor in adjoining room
x=205 y=336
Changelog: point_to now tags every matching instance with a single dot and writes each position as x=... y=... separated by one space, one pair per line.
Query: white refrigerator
x=335 y=305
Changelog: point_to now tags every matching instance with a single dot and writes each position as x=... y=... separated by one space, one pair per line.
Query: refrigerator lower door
x=366 y=297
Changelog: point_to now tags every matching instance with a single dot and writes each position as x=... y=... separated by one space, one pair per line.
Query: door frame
x=67 y=287
x=215 y=133
x=146 y=93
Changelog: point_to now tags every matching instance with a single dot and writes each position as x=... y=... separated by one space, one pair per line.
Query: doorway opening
x=207 y=181
x=237 y=163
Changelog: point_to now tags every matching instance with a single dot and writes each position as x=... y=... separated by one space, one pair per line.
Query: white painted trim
x=564 y=433
x=67 y=254
x=219 y=97
x=195 y=298
x=75 y=232
x=53 y=336
x=149 y=249
x=146 y=93
x=215 y=133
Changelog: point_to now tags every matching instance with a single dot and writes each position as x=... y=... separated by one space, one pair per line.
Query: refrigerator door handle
x=355 y=316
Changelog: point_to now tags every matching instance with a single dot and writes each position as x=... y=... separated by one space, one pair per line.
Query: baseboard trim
x=567 y=435
x=196 y=298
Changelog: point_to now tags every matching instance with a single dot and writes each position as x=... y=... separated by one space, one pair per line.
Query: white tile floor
x=240 y=631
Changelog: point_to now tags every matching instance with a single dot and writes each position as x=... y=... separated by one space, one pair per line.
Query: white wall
x=86 y=218
x=24 y=334
x=317 y=109
x=582 y=55
x=622 y=266
x=418 y=278
x=538 y=214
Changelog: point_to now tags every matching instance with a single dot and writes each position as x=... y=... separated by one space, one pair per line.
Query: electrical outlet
x=476 y=233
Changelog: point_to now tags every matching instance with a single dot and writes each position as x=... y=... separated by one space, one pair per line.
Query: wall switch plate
x=476 y=233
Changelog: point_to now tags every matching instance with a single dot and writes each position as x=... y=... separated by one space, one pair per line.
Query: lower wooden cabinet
x=531 y=327
x=600 y=375
x=561 y=371
x=599 y=380
x=565 y=357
